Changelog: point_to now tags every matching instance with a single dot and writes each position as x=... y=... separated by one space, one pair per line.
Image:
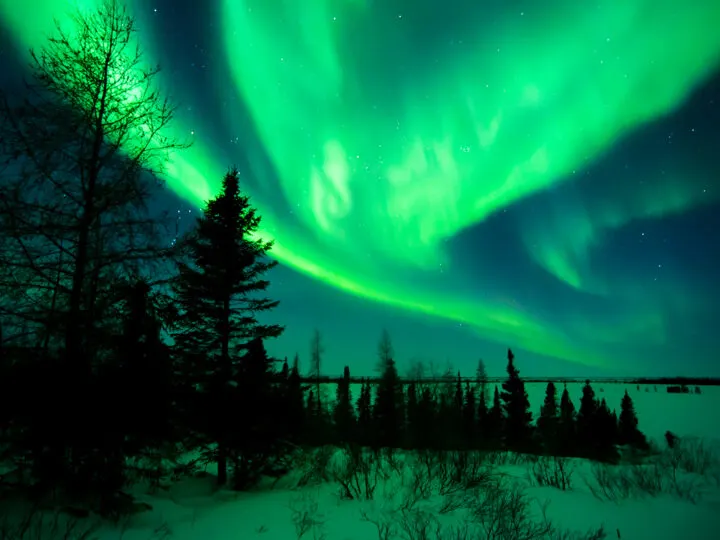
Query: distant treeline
x=688 y=381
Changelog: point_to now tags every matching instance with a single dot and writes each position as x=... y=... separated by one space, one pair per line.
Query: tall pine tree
x=364 y=412
x=548 y=420
x=344 y=412
x=586 y=419
x=516 y=407
x=218 y=291
x=628 y=431
x=566 y=429
x=389 y=407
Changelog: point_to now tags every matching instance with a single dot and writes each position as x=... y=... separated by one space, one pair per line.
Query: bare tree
x=83 y=149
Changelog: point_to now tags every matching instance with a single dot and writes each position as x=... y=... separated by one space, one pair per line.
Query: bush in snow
x=552 y=471
x=357 y=472
x=306 y=517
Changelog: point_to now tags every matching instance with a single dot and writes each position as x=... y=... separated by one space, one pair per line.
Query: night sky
x=469 y=175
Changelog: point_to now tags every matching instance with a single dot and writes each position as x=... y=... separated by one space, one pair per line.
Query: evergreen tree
x=413 y=428
x=628 y=431
x=456 y=424
x=364 y=412
x=285 y=370
x=388 y=411
x=566 y=429
x=316 y=352
x=218 y=294
x=516 y=407
x=483 y=427
x=428 y=428
x=255 y=438
x=344 y=413
x=605 y=433
x=295 y=405
x=586 y=419
x=494 y=422
x=547 y=423
x=469 y=418
x=146 y=373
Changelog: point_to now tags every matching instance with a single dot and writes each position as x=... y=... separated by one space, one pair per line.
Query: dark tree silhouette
x=295 y=403
x=256 y=437
x=547 y=422
x=316 y=351
x=470 y=423
x=413 y=427
x=483 y=414
x=143 y=377
x=364 y=414
x=628 y=431
x=428 y=428
x=344 y=412
x=85 y=146
x=494 y=423
x=586 y=418
x=218 y=292
x=82 y=151
x=385 y=351
x=566 y=429
x=516 y=408
x=605 y=433
x=389 y=407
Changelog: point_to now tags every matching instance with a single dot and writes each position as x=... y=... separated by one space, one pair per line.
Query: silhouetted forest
x=119 y=352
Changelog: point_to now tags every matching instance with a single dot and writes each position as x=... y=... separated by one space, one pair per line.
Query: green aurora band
x=381 y=187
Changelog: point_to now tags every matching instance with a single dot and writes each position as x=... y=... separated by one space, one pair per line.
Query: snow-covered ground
x=656 y=501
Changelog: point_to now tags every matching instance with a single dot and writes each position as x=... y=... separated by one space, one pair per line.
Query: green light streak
x=514 y=113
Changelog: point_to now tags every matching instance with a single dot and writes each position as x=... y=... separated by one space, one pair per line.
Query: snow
x=192 y=510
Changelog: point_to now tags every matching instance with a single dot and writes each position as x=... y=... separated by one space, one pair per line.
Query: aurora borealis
x=470 y=175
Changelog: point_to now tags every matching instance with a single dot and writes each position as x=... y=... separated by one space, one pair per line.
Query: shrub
x=358 y=474
x=553 y=471
x=306 y=517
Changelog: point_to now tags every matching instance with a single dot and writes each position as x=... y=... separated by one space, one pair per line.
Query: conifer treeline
x=414 y=414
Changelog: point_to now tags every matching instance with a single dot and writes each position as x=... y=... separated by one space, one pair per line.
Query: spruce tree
x=495 y=422
x=469 y=416
x=364 y=414
x=218 y=291
x=413 y=428
x=428 y=428
x=146 y=373
x=566 y=429
x=483 y=427
x=294 y=401
x=628 y=431
x=547 y=422
x=388 y=410
x=257 y=434
x=586 y=419
x=344 y=413
x=516 y=407
x=605 y=433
